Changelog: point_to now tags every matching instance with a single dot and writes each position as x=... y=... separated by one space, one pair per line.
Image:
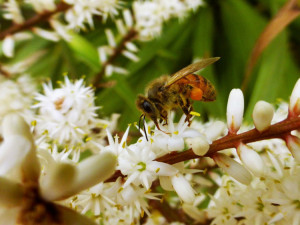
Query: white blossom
x=67 y=113
x=138 y=163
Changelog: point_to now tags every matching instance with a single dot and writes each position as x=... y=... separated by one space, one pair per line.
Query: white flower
x=67 y=113
x=235 y=110
x=135 y=197
x=83 y=11
x=114 y=146
x=137 y=162
x=148 y=22
x=97 y=199
x=172 y=136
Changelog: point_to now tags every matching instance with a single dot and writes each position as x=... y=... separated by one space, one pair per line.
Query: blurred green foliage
x=224 y=28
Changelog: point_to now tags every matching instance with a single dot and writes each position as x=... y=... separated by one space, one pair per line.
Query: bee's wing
x=190 y=69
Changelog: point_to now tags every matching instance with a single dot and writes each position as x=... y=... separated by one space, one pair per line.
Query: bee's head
x=147 y=107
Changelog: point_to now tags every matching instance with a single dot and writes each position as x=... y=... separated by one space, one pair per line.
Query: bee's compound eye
x=147 y=107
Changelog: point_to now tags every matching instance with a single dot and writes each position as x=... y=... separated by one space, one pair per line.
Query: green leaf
x=85 y=51
x=276 y=75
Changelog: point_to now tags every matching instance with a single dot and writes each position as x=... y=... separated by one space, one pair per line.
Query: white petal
x=216 y=130
x=293 y=144
x=13 y=151
x=8 y=46
x=165 y=183
x=49 y=35
x=17 y=132
x=251 y=159
x=235 y=110
x=233 y=168
x=128 y=18
x=110 y=38
x=194 y=212
x=162 y=169
x=175 y=144
x=130 y=55
x=54 y=185
x=263 y=113
x=93 y=170
x=183 y=188
x=294 y=106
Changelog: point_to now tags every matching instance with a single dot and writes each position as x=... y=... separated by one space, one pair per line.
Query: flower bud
x=199 y=145
x=251 y=159
x=293 y=144
x=8 y=46
x=183 y=188
x=263 y=113
x=294 y=106
x=233 y=168
x=235 y=110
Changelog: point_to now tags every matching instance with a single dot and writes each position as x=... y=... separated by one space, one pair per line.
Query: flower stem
x=34 y=20
x=278 y=130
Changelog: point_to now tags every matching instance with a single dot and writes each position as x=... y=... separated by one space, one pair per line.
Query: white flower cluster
x=67 y=114
x=150 y=26
x=119 y=181
x=137 y=164
x=271 y=199
x=271 y=196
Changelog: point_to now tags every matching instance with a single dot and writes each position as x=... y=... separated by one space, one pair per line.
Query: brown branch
x=118 y=50
x=34 y=20
x=278 y=130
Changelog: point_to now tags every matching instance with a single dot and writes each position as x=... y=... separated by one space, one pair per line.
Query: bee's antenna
x=140 y=121
x=145 y=128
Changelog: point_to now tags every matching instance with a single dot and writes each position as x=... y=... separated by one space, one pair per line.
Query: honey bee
x=170 y=92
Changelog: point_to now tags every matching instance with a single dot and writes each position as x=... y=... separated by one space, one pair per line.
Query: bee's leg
x=186 y=107
x=163 y=114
